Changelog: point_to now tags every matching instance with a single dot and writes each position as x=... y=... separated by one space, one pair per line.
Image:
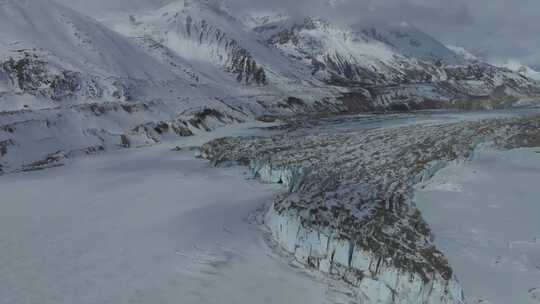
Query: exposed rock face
x=349 y=211
x=233 y=57
x=34 y=139
x=192 y=30
x=29 y=73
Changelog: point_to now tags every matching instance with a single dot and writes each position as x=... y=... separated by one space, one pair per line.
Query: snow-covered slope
x=196 y=65
x=50 y=53
x=463 y=52
x=521 y=69
x=74 y=40
x=414 y=43
x=69 y=84
x=200 y=48
x=209 y=38
x=394 y=66
x=390 y=54
x=484 y=215
x=331 y=51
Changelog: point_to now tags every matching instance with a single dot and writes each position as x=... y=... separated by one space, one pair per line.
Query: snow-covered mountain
x=201 y=34
x=72 y=83
x=463 y=52
x=520 y=68
x=392 y=66
x=202 y=47
x=414 y=43
x=172 y=68
x=51 y=53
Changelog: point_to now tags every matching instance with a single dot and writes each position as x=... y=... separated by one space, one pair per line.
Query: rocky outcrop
x=30 y=73
x=349 y=210
x=192 y=31
x=35 y=139
x=233 y=56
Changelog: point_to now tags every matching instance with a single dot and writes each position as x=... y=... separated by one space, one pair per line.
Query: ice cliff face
x=349 y=210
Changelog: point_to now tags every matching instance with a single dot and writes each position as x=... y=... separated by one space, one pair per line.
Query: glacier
x=349 y=212
x=82 y=83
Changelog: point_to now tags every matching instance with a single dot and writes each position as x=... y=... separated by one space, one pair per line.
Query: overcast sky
x=495 y=29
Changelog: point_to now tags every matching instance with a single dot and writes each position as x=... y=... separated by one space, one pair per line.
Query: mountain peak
x=413 y=42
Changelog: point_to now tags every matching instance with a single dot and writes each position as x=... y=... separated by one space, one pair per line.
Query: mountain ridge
x=192 y=65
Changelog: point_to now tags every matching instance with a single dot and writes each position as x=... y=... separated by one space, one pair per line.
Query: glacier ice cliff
x=349 y=211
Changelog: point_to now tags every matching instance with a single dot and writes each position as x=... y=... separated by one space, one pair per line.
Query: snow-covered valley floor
x=486 y=218
x=140 y=226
